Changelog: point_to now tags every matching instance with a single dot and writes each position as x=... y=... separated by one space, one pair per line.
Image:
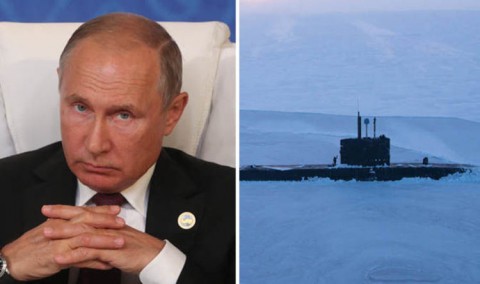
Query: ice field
x=411 y=231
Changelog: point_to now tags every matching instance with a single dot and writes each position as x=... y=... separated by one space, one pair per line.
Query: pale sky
x=326 y=6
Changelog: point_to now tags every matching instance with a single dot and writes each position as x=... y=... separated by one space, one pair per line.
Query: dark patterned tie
x=94 y=276
x=101 y=199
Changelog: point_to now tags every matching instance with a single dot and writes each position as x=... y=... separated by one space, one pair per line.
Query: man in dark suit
x=162 y=216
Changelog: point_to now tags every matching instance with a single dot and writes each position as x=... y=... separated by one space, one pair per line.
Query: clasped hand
x=84 y=237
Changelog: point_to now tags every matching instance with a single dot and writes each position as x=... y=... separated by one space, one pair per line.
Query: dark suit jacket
x=180 y=183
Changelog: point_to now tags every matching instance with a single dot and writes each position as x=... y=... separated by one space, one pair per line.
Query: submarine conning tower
x=365 y=151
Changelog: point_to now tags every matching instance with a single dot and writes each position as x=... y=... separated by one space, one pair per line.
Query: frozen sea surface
x=320 y=231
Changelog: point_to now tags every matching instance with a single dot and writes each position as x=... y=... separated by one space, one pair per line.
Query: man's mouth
x=97 y=168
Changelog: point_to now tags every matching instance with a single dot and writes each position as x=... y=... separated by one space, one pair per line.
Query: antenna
x=374 y=127
x=366 y=121
x=359 y=126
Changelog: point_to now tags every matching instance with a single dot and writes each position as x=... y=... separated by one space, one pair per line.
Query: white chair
x=29 y=110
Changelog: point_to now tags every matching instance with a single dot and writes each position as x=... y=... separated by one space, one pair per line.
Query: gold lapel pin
x=186 y=220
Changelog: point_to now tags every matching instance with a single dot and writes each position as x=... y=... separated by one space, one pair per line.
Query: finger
x=68 y=212
x=105 y=209
x=99 y=220
x=93 y=264
x=65 y=231
x=82 y=255
x=99 y=241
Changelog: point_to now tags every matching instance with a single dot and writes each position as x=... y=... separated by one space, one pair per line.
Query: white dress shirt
x=165 y=268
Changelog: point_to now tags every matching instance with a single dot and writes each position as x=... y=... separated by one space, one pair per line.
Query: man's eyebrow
x=74 y=98
x=123 y=107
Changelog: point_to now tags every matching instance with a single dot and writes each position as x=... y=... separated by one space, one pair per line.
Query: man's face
x=112 y=119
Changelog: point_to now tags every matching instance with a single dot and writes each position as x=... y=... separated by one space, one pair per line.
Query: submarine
x=361 y=159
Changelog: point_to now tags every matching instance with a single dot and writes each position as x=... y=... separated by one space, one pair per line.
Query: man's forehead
x=112 y=52
x=111 y=62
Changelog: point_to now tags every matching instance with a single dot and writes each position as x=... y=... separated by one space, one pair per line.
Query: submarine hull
x=371 y=173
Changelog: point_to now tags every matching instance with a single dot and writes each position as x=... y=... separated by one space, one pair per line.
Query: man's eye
x=80 y=108
x=124 y=116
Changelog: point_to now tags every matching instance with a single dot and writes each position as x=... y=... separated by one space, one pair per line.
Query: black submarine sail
x=362 y=159
x=365 y=151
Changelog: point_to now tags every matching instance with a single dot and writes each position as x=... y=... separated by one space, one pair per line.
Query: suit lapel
x=172 y=192
x=57 y=185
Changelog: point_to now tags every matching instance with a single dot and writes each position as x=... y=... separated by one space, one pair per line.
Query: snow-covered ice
x=320 y=231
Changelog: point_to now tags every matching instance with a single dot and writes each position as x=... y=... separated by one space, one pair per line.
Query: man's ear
x=174 y=112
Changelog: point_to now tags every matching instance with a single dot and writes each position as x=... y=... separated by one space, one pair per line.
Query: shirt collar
x=136 y=194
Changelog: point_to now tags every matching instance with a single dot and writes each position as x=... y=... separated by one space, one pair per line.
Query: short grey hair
x=140 y=30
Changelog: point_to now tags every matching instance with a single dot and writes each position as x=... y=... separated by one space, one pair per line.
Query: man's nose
x=98 y=139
